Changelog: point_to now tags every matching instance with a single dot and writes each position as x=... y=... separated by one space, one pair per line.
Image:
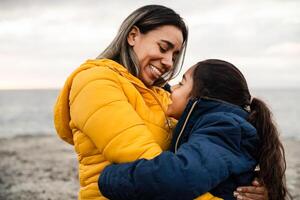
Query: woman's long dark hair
x=222 y=80
x=146 y=18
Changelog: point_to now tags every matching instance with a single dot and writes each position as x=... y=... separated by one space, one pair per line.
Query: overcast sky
x=42 y=42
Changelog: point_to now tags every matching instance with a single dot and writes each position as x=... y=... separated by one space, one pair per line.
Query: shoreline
x=44 y=167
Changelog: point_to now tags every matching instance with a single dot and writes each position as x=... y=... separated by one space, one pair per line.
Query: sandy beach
x=45 y=168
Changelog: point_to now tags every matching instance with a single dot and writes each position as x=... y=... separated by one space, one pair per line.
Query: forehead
x=189 y=72
x=168 y=33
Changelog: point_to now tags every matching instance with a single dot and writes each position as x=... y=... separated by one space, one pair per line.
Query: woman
x=221 y=136
x=112 y=109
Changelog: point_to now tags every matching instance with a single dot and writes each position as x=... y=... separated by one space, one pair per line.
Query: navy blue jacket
x=213 y=149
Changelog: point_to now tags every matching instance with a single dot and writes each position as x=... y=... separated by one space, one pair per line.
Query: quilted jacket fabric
x=213 y=149
x=110 y=116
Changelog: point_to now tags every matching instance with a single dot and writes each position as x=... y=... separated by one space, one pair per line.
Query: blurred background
x=42 y=42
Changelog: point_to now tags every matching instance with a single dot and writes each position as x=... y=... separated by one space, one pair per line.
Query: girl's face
x=180 y=95
x=156 y=51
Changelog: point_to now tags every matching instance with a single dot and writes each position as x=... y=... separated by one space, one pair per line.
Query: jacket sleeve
x=100 y=109
x=199 y=165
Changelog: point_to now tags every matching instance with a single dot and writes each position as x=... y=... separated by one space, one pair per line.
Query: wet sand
x=45 y=168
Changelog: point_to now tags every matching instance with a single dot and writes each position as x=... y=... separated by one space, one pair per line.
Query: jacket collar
x=120 y=69
x=62 y=110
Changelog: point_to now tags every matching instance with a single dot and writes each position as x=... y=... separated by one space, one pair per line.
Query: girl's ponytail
x=271 y=156
x=222 y=80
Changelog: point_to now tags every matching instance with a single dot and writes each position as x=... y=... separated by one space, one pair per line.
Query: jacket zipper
x=184 y=124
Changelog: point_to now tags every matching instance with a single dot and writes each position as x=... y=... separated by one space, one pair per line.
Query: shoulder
x=225 y=126
x=219 y=125
x=94 y=71
x=94 y=76
x=91 y=71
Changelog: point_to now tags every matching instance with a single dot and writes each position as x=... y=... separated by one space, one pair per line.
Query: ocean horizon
x=30 y=111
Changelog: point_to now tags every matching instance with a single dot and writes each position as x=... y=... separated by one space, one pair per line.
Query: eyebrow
x=170 y=45
x=183 y=77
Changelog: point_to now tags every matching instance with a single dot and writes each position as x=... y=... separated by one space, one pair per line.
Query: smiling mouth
x=156 y=72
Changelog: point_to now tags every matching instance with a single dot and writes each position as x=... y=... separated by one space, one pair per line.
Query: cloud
x=56 y=36
x=289 y=49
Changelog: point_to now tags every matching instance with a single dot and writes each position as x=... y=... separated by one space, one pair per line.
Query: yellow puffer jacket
x=110 y=116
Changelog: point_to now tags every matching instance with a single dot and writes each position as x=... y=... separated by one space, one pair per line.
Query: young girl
x=223 y=133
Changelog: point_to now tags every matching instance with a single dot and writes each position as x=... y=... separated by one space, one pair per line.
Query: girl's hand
x=255 y=192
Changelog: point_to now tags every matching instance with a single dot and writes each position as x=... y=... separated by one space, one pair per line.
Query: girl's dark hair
x=222 y=80
x=146 y=18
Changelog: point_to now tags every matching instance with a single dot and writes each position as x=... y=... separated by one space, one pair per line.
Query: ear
x=133 y=35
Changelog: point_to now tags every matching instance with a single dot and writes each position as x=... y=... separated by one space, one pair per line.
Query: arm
x=100 y=109
x=198 y=166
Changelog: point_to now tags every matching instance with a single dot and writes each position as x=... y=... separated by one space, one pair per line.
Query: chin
x=175 y=117
x=148 y=83
x=170 y=114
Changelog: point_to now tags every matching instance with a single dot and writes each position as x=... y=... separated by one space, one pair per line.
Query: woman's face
x=156 y=51
x=180 y=95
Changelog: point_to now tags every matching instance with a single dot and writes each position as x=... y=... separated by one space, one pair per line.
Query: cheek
x=181 y=104
x=172 y=107
x=138 y=52
x=171 y=111
x=176 y=108
x=146 y=53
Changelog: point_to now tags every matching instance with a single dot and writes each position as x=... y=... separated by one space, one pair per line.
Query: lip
x=159 y=69
x=155 y=71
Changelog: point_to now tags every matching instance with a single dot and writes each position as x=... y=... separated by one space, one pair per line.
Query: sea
x=30 y=112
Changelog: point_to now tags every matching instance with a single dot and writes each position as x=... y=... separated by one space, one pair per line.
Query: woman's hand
x=255 y=192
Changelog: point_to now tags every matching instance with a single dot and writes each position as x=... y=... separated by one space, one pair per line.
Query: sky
x=42 y=42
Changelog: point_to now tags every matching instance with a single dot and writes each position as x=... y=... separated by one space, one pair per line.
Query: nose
x=172 y=88
x=167 y=61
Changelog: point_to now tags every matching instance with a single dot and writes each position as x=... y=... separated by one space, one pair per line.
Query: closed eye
x=162 y=50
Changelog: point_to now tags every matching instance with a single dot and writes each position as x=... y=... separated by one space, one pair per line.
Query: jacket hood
x=62 y=109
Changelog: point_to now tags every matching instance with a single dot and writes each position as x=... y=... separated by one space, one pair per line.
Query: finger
x=239 y=197
x=251 y=189
x=256 y=183
x=235 y=194
x=252 y=196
